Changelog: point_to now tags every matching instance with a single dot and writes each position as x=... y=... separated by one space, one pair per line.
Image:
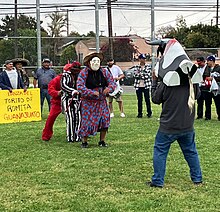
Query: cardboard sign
x=20 y=106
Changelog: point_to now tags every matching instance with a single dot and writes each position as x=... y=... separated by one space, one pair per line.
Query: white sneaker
x=112 y=115
x=122 y=115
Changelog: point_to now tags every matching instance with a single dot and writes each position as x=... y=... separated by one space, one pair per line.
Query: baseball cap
x=8 y=61
x=46 y=60
x=142 y=56
x=211 y=58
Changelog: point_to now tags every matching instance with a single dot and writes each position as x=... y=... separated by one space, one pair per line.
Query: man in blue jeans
x=176 y=119
x=176 y=124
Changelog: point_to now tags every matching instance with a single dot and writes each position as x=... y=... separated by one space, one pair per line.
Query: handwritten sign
x=20 y=106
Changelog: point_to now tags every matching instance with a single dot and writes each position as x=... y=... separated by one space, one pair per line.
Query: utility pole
x=97 y=24
x=110 y=33
x=67 y=22
x=153 y=52
x=16 y=29
x=38 y=34
x=217 y=13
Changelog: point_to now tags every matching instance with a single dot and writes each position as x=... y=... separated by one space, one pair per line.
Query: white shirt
x=13 y=77
x=116 y=72
x=202 y=69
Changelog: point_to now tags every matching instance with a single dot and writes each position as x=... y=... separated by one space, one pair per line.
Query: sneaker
x=153 y=185
x=84 y=145
x=112 y=115
x=198 y=183
x=122 y=115
x=102 y=144
x=139 y=116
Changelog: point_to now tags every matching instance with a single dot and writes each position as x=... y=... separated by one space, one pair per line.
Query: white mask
x=95 y=63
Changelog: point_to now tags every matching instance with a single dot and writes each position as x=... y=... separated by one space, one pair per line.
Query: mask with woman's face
x=95 y=63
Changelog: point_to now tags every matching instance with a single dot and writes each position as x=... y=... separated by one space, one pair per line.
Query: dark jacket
x=5 y=83
x=175 y=116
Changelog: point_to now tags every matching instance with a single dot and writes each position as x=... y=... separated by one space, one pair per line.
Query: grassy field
x=59 y=176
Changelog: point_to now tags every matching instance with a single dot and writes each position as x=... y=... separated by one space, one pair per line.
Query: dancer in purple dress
x=94 y=84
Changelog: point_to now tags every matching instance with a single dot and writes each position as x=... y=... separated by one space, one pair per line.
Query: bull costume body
x=176 y=91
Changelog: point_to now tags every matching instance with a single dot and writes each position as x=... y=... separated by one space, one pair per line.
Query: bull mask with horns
x=174 y=68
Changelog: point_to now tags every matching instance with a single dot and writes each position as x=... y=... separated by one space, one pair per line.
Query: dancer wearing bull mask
x=70 y=100
x=94 y=84
x=177 y=90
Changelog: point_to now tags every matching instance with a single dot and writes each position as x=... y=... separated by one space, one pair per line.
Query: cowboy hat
x=91 y=55
x=23 y=61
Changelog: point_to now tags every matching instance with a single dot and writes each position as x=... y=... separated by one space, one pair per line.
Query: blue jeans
x=162 y=145
x=44 y=94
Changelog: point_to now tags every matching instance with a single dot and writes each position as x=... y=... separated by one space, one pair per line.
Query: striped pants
x=71 y=109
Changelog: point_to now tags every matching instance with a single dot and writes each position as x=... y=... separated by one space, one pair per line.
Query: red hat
x=67 y=67
x=76 y=65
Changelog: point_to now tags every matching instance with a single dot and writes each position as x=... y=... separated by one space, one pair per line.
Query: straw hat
x=23 y=61
x=91 y=55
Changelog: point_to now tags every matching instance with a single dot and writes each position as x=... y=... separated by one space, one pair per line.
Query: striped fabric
x=71 y=107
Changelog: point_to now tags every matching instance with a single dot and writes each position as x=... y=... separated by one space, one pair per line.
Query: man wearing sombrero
x=19 y=63
x=94 y=84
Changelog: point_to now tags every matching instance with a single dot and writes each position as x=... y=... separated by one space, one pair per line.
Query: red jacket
x=54 y=88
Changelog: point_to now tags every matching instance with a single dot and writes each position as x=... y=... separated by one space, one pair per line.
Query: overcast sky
x=124 y=21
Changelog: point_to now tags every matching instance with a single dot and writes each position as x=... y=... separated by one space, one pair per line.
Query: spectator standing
x=71 y=101
x=142 y=84
x=10 y=78
x=19 y=64
x=117 y=76
x=55 y=92
x=94 y=84
x=213 y=70
x=43 y=76
x=206 y=95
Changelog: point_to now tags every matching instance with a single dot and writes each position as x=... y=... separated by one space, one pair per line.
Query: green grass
x=58 y=176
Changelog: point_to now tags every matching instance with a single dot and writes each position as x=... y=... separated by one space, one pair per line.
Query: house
x=86 y=46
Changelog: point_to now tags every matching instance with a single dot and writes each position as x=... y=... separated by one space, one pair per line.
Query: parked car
x=129 y=76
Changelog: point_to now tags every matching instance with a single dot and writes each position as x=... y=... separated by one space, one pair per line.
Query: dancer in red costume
x=55 y=92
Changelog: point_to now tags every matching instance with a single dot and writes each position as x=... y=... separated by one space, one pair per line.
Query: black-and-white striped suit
x=71 y=106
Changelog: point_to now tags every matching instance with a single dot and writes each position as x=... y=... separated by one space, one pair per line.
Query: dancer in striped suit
x=70 y=100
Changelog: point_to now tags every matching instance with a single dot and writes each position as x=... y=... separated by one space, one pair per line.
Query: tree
x=23 y=21
x=165 y=31
x=123 y=50
x=195 y=40
x=7 y=50
x=68 y=54
x=57 y=25
x=56 y=28
x=91 y=34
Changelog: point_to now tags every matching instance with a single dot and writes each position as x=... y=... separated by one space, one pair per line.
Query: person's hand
x=154 y=76
x=116 y=79
x=25 y=89
x=96 y=93
x=74 y=93
x=60 y=93
x=10 y=90
x=106 y=91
